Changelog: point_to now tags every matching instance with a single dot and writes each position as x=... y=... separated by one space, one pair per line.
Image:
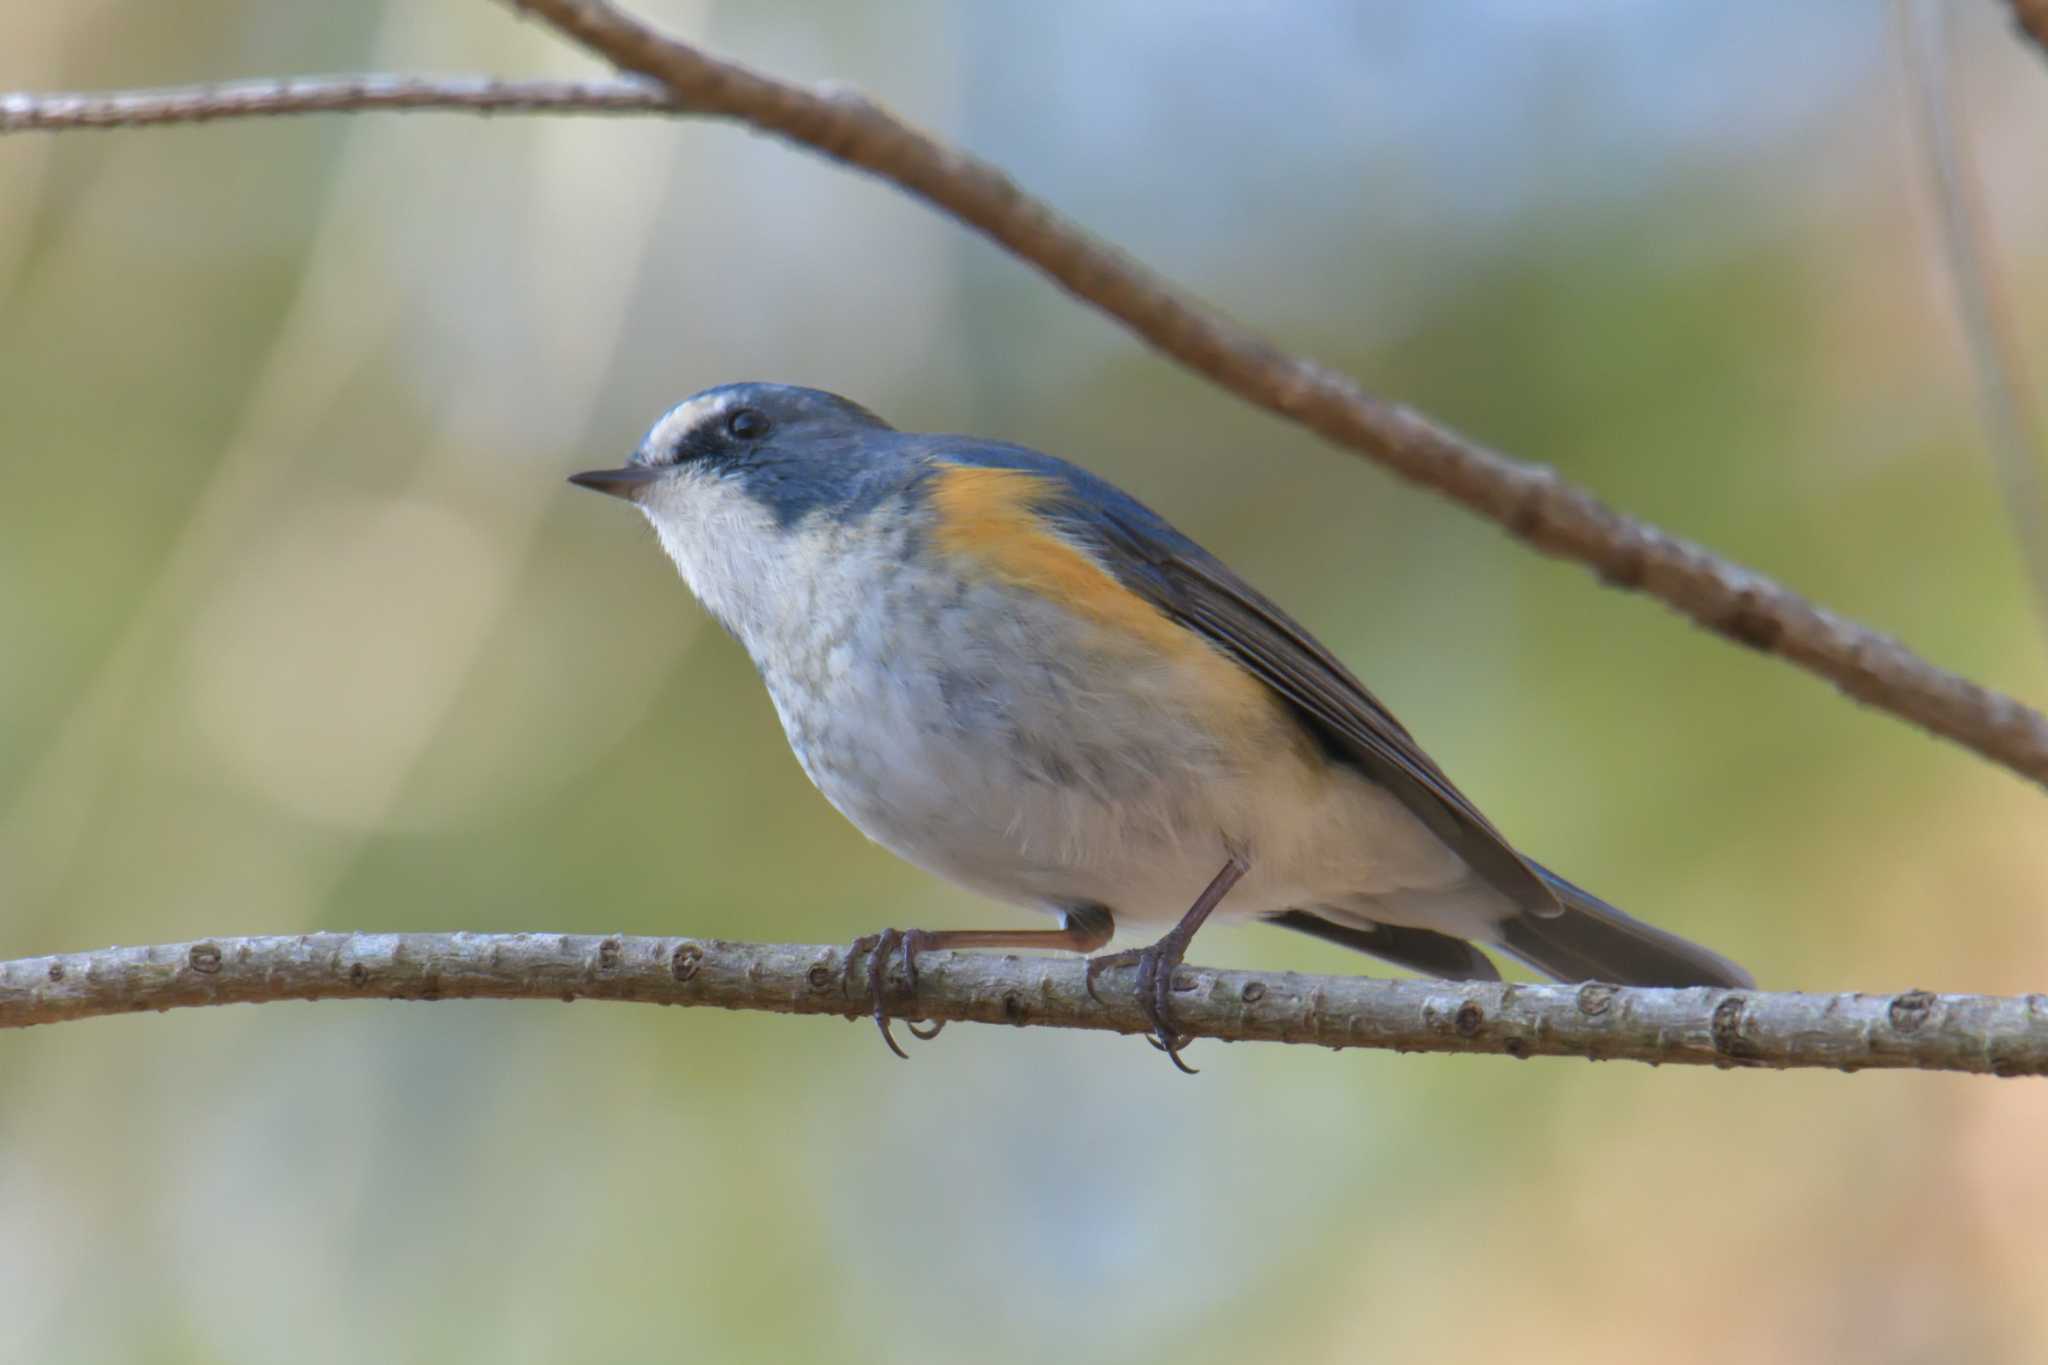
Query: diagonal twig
x=2032 y=18
x=1987 y=1035
x=1531 y=502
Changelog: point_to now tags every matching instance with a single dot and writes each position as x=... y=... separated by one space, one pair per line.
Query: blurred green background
x=300 y=628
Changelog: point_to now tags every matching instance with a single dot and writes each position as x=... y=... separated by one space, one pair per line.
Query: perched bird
x=1011 y=673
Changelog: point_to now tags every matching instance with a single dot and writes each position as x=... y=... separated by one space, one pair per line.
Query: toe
x=878 y=982
x=914 y=942
x=1107 y=962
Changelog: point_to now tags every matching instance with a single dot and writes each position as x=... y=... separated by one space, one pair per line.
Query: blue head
x=750 y=485
x=793 y=450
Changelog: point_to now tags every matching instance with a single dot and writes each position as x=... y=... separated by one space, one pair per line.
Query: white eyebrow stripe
x=683 y=417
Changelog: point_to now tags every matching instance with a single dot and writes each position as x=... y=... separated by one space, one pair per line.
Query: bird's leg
x=1083 y=930
x=1156 y=963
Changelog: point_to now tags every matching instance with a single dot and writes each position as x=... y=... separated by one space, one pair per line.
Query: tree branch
x=21 y=113
x=2032 y=17
x=1531 y=502
x=2002 y=1036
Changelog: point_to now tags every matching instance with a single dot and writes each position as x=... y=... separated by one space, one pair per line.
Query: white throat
x=729 y=550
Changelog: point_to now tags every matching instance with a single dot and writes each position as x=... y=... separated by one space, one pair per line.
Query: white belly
x=998 y=740
x=989 y=758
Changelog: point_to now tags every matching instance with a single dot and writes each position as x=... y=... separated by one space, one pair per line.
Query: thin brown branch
x=1533 y=503
x=2032 y=17
x=2004 y=1036
x=1530 y=501
x=21 y=113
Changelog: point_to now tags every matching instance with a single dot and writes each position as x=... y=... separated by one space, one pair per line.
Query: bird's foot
x=1156 y=965
x=878 y=947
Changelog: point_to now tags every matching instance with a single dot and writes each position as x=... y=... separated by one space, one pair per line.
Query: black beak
x=620 y=483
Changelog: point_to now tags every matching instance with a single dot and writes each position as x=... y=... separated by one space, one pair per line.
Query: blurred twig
x=1532 y=502
x=2032 y=16
x=1962 y=226
x=1993 y=1035
x=21 y=113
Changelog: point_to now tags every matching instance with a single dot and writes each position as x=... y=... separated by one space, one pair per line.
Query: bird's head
x=750 y=485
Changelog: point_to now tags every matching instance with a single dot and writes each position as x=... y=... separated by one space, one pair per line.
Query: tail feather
x=1593 y=941
x=1419 y=950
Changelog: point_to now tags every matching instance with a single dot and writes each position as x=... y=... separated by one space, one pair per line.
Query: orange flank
x=990 y=516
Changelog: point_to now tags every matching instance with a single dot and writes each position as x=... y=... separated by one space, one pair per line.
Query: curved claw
x=1172 y=1044
x=914 y=942
x=878 y=947
x=882 y=1022
x=878 y=985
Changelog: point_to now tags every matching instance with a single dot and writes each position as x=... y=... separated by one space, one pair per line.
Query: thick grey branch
x=21 y=113
x=2003 y=1036
x=1530 y=501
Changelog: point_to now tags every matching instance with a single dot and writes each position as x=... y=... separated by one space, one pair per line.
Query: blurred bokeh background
x=300 y=628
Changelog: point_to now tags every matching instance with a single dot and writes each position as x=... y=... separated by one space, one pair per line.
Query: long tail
x=1593 y=941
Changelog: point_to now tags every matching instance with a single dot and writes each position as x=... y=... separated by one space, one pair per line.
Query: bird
x=1013 y=674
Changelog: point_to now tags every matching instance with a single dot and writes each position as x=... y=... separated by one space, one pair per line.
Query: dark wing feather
x=1195 y=589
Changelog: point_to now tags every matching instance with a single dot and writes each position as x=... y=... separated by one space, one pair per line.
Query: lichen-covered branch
x=2003 y=1036
x=1530 y=501
x=22 y=112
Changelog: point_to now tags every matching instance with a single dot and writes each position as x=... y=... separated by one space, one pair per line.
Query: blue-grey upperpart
x=825 y=451
x=819 y=450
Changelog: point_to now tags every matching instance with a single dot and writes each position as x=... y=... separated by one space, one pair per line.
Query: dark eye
x=746 y=425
